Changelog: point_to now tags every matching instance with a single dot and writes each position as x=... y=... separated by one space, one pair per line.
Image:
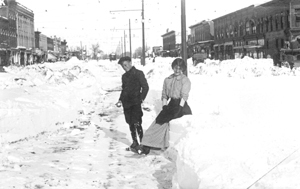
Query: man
x=134 y=92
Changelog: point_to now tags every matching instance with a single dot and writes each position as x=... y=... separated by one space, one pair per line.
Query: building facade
x=50 y=44
x=169 y=41
x=64 y=47
x=25 y=33
x=171 y=44
x=201 y=39
x=4 y=44
x=8 y=34
x=256 y=31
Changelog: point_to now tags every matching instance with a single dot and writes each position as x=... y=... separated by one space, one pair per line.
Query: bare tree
x=95 y=50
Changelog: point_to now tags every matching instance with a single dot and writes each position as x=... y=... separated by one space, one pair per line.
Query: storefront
x=228 y=50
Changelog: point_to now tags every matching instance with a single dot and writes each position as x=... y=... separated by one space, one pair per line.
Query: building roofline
x=168 y=33
x=22 y=6
x=251 y=6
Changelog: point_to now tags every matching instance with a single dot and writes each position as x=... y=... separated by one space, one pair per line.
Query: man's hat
x=123 y=59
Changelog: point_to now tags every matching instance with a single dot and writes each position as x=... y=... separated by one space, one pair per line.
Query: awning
x=228 y=43
x=252 y=46
x=200 y=42
x=290 y=50
x=21 y=47
x=238 y=47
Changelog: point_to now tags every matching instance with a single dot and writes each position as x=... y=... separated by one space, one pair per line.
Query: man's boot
x=139 y=130
x=133 y=136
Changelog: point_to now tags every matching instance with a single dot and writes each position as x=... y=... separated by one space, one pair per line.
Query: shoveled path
x=86 y=153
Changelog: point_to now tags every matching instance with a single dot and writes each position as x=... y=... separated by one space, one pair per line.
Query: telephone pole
x=143 y=30
x=130 y=39
x=183 y=34
x=143 y=35
x=124 y=43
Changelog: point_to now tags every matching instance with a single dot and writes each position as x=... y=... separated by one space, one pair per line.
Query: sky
x=244 y=129
x=83 y=23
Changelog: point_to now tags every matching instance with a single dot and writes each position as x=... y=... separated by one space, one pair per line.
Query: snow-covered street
x=84 y=156
x=60 y=127
x=87 y=152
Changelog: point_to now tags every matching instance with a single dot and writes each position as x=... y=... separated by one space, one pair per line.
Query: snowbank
x=36 y=98
x=243 y=131
x=244 y=124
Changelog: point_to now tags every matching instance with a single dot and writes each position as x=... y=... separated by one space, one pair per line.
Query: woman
x=176 y=90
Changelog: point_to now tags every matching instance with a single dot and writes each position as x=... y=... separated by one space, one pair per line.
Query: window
x=297 y=17
x=241 y=30
x=276 y=22
x=282 y=43
x=287 y=19
x=235 y=32
x=248 y=28
x=253 y=28
x=271 y=23
x=281 y=20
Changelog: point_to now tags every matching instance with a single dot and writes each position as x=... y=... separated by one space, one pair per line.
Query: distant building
x=170 y=47
x=201 y=38
x=156 y=50
x=63 y=47
x=50 y=44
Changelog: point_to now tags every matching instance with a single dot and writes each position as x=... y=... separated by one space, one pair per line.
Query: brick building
x=169 y=41
x=4 y=44
x=25 y=33
x=8 y=34
x=201 y=38
x=171 y=44
x=256 y=31
x=50 y=44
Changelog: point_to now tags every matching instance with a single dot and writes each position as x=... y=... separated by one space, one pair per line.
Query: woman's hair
x=179 y=62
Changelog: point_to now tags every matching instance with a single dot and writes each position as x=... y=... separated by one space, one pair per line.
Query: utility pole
x=130 y=39
x=183 y=35
x=143 y=35
x=124 y=43
x=143 y=30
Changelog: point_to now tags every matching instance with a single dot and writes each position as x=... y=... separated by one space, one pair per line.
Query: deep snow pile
x=245 y=122
x=244 y=128
x=34 y=98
